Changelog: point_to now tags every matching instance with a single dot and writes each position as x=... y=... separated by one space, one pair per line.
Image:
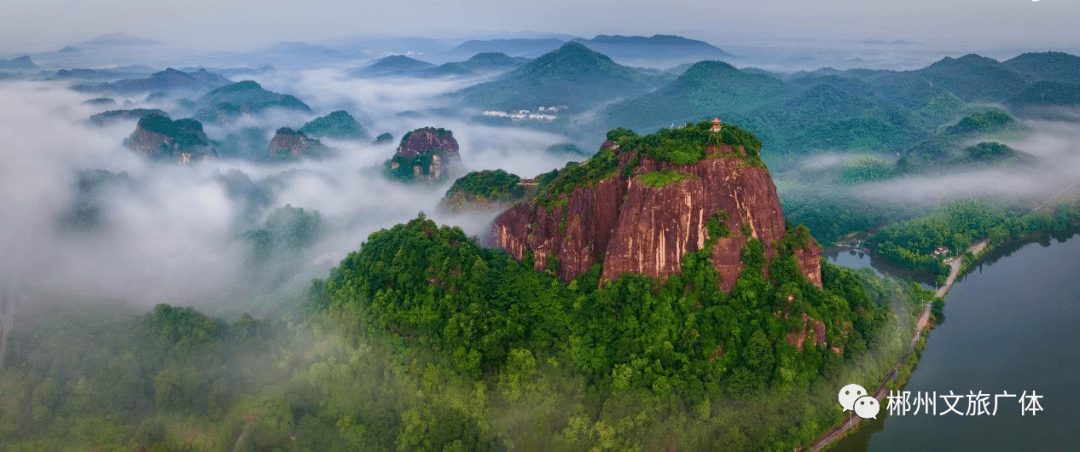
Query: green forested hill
x=246 y=97
x=857 y=109
x=573 y=76
x=423 y=340
x=1057 y=67
x=706 y=88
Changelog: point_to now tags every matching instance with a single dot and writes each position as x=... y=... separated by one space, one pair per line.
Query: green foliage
x=958 y=225
x=705 y=89
x=276 y=249
x=246 y=97
x=338 y=125
x=434 y=286
x=104 y=378
x=955 y=226
x=566 y=149
x=830 y=214
x=401 y=167
x=1044 y=93
x=865 y=169
x=384 y=137
x=717 y=226
x=573 y=76
x=989 y=121
x=687 y=145
x=185 y=133
x=663 y=178
x=423 y=340
x=488 y=185
x=992 y=153
x=563 y=182
x=943 y=148
x=937 y=310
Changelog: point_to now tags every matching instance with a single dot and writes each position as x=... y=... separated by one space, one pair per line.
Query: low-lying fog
x=171 y=233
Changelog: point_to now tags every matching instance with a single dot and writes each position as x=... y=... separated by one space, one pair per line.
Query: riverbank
x=921 y=326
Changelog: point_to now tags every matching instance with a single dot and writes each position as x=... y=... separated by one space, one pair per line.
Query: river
x=1011 y=325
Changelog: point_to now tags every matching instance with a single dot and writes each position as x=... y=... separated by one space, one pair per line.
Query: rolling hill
x=572 y=75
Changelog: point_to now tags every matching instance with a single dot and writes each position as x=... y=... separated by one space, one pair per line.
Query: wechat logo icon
x=855 y=397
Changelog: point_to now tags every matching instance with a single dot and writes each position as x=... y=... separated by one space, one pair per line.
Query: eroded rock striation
x=639 y=209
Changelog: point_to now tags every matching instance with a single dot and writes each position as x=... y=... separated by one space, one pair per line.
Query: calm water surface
x=1011 y=325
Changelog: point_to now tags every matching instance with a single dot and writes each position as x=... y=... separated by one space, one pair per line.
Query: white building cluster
x=541 y=114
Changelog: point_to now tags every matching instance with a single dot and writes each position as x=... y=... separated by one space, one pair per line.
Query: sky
x=44 y=25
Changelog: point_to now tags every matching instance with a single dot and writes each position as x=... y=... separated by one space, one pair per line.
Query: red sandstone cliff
x=289 y=142
x=417 y=146
x=160 y=138
x=632 y=227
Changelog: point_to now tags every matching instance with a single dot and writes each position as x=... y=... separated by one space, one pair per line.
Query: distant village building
x=543 y=114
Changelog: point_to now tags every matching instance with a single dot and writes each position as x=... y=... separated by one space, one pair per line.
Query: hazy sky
x=42 y=25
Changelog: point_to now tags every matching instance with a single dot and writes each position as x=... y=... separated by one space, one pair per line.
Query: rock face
x=160 y=138
x=631 y=224
x=426 y=154
x=288 y=142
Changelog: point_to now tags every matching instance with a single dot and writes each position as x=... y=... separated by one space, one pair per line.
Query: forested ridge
x=423 y=340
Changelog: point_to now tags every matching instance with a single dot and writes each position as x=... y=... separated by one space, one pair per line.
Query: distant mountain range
x=652 y=51
x=23 y=63
x=168 y=80
x=394 y=65
x=480 y=63
x=526 y=48
x=572 y=75
x=246 y=97
x=873 y=110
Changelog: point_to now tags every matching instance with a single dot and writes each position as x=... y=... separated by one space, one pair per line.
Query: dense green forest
x=423 y=340
x=958 y=225
x=488 y=189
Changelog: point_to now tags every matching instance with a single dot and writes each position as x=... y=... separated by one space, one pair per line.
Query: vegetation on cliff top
x=338 y=125
x=688 y=144
x=488 y=186
x=682 y=146
x=184 y=133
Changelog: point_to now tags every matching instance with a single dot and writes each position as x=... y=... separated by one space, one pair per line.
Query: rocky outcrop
x=159 y=138
x=634 y=222
x=288 y=142
x=426 y=154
